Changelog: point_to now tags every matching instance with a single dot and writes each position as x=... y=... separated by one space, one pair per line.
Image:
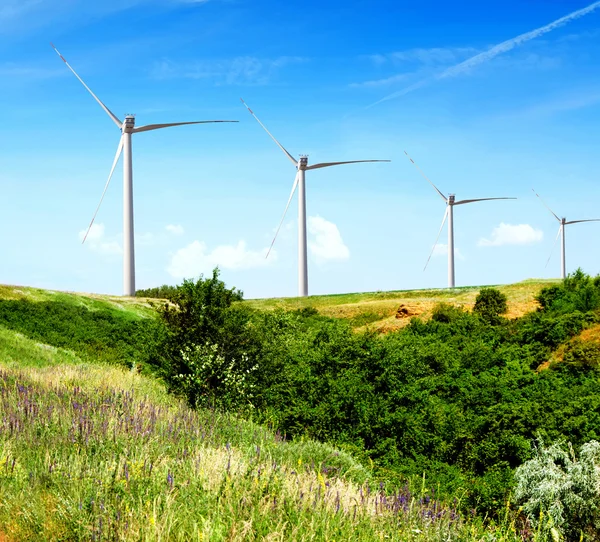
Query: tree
x=490 y=304
x=203 y=355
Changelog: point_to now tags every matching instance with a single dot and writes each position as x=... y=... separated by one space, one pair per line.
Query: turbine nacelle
x=451 y=199
x=128 y=124
x=303 y=162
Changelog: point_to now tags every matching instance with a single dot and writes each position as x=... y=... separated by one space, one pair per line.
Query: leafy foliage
x=578 y=292
x=202 y=355
x=96 y=332
x=560 y=493
x=491 y=304
x=159 y=292
x=458 y=396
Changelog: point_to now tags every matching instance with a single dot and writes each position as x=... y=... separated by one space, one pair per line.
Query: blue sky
x=337 y=81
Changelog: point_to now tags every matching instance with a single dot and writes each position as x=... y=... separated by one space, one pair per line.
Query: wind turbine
x=302 y=167
x=449 y=214
x=127 y=128
x=561 y=232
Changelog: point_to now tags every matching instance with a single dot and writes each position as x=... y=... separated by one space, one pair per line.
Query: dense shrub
x=457 y=396
x=203 y=353
x=446 y=313
x=490 y=304
x=578 y=292
x=96 y=332
x=159 y=292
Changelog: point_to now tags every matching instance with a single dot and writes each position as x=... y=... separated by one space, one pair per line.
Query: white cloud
x=509 y=234
x=98 y=243
x=326 y=243
x=175 y=229
x=194 y=259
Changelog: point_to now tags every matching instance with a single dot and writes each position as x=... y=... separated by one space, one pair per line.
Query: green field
x=90 y=449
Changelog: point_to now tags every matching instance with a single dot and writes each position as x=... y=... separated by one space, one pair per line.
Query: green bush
x=446 y=313
x=490 y=304
x=578 y=292
x=98 y=332
x=457 y=396
x=203 y=355
x=159 y=292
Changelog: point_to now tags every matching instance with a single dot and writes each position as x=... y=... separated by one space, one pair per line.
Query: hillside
x=387 y=311
x=321 y=432
x=90 y=450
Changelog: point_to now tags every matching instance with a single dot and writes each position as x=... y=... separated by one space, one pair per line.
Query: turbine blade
x=588 y=220
x=294 y=161
x=478 y=199
x=437 y=238
x=112 y=170
x=284 y=213
x=328 y=164
x=553 y=247
x=544 y=204
x=108 y=111
x=149 y=127
x=426 y=178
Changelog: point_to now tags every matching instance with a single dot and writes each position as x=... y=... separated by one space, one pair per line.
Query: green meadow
x=378 y=416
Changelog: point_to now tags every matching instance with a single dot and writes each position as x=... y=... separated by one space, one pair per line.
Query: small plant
x=560 y=493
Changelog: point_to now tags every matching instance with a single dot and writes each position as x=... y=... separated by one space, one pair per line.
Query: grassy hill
x=387 y=311
x=92 y=450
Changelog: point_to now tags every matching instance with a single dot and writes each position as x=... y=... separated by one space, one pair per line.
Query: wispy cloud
x=18 y=16
x=430 y=56
x=243 y=70
x=13 y=9
x=559 y=104
x=416 y=62
x=512 y=234
x=501 y=48
x=16 y=71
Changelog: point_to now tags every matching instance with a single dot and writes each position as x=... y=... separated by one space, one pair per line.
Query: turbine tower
x=561 y=233
x=127 y=128
x=302 y=167
x=449 y=215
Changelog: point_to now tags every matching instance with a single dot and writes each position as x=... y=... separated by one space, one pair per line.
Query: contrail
x=496 y=50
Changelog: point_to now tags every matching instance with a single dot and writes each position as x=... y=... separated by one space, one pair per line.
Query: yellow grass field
x=387 y=311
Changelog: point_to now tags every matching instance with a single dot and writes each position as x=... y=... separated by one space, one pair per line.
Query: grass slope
x=90 y=451
x=387 y=311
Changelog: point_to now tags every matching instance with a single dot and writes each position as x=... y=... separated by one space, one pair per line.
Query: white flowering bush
x=211 y=376
x=560 y=493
